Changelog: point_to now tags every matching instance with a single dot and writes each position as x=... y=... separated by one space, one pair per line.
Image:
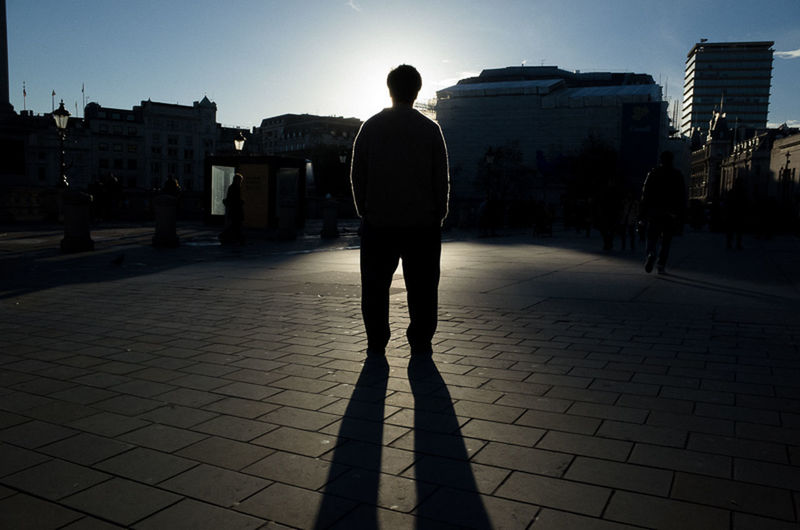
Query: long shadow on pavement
x=442 y=457
x=361 y=432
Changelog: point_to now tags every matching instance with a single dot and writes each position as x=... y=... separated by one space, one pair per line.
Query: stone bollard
x=287 y=224
x=77 y=214
x=165 y=208
x=329 y=213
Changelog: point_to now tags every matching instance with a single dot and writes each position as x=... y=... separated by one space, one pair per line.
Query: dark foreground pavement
x=207 y=387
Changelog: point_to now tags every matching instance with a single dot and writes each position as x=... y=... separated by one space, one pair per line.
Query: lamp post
x=238 y=142
x=61 y=117
x=75 y=204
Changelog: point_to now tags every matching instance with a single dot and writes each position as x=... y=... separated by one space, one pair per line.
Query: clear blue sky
x=261 y=58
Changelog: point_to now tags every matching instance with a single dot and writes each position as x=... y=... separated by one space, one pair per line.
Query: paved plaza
x=207 y=387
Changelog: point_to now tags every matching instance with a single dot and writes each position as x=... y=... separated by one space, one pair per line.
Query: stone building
x=143 y=146
x=706 y=159
x=326 y=141
x=783 y=164
x=547 y=114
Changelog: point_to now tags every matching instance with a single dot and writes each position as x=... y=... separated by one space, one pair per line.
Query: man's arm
x=441 y=176
x=358 y=173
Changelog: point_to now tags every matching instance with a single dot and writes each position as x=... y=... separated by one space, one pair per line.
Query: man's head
x=404 y=83
x=666 y=158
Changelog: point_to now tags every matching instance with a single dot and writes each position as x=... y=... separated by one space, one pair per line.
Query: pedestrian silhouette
x=234 y=213
x=662 y=206
x=734 y=206
x=400 y=184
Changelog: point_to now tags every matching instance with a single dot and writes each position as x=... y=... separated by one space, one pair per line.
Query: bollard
x=287 y=224
x=329 y=213
x=165 y=208
x=77 y=214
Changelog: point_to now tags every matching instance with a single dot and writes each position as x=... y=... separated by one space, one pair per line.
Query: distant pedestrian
x=662 y=206
x=629 y=221
x=734 y=207
x=400 y=183
x=171 y=186
x=234 y=213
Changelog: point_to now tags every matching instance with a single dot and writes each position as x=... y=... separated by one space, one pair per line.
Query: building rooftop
x=753 y=45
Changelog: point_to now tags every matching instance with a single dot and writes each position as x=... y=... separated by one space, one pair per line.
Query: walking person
x=234 y=213
x=400 y=184
x=662 y=206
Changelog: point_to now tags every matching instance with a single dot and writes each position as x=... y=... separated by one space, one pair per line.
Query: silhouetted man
x=400 y=186
x=234 y=212
x=662 y=206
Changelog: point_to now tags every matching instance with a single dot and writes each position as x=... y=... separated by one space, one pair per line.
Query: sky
x=261 y=58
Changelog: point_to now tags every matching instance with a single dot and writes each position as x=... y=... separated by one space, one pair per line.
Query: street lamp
x=238 y=142
x=61 y=117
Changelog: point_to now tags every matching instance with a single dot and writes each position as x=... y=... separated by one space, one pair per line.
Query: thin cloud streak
x=793 y=54
x=352 y=4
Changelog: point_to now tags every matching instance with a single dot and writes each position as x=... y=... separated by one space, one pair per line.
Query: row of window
x=172 y=152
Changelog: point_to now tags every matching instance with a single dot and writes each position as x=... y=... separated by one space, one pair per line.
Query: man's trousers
x=381 y=250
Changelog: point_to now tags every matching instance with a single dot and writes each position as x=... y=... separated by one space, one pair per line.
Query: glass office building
x=733 y=76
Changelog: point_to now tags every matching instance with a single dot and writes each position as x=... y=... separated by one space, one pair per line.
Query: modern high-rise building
x=733 y=77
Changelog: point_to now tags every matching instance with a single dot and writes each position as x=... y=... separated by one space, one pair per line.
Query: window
x=155 y=150
x=117 y=148
x=172 y=140
x=133 y=164
x=188 y=154
x=133 y=148
x=156 y=138
x=102 y=146
x=119 y=163
x=103 y=163
x=131 y=131
x=172 y=152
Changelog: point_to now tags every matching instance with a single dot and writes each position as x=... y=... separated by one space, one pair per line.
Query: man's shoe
x=648 y=264
x=662 y=269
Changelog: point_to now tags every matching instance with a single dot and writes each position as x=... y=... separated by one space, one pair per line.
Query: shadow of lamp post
x=76 y=204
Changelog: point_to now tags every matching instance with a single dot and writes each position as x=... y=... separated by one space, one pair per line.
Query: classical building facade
x=546 y=114
x=326 y=141
x=733 y=75
x=783 y=166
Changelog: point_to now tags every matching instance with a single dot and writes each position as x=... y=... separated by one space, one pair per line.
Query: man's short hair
x=404 y=83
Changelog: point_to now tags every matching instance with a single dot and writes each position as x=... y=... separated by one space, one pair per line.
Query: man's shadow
x=441 y=455
x=446 y=490
x=354 y=472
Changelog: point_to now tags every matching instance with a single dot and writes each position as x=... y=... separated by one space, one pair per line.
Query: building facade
x=326 y=141
x=735 y=76
x=547 y=115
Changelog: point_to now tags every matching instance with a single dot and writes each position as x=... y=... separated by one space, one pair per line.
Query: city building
x=545 y=116
x=733 y=75
x=325 y=141
x=706 y=159
x=784 y=161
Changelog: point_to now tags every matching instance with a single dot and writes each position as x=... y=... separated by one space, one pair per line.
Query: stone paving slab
x=208 y=387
